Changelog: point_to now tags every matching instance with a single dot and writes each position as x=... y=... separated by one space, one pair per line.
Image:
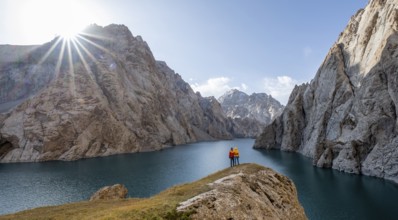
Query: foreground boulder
x=116 y=191
x=247 y=191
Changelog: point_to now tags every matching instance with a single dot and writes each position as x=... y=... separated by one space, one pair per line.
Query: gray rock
x=346 y=117
x=116 y=99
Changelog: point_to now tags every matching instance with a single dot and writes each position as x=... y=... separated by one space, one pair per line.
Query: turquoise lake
x=324 y=193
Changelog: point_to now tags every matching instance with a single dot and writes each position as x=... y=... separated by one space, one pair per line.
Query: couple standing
x=234 y=156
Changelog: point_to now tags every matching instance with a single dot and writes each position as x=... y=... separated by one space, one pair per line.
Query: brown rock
x=116 y=191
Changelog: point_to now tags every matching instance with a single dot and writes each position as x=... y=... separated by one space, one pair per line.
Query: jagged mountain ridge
x=252 y=112
x=346 y=117
x=109 y=96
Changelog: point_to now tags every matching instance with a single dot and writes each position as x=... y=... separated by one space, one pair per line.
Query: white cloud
x=244 y=87
x=216 y=87
x=307 y=51
x=280 y=87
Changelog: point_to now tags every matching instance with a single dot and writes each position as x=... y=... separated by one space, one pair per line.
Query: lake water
x=324 y=193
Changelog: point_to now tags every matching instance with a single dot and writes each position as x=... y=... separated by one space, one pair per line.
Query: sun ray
x=85 y=64
x=59 y=62
x=91 y=56
x=47 y=54
x=85 y=34
x=94 y=44
x=60 y=58
x=71 y=69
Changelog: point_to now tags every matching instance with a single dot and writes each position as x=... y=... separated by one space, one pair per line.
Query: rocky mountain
x=100 y=94
x=346 y=117
x=252 y=112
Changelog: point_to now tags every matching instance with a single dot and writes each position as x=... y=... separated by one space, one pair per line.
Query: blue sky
x=215 y=45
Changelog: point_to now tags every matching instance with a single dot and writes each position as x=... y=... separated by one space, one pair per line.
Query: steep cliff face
x=346 y=117
x=250 y=113
x=102 y=94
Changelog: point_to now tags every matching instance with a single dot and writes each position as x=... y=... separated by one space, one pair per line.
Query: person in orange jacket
x=232 y=157
x=236 y=156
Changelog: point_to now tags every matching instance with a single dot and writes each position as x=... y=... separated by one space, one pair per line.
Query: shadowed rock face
x=346 y=117
x=251 y=113
x=104 y=95
x=20 y=76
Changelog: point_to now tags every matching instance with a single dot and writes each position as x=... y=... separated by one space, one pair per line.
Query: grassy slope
x=161 y=206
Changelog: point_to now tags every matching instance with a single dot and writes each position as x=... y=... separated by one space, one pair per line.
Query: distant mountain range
x=252 y=113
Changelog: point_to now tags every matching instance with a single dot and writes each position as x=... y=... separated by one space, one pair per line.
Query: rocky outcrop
x=250 y=113
x=99 y=95
x=346 y=117
x=117 y=191
x=263 y=194
x=247 y=191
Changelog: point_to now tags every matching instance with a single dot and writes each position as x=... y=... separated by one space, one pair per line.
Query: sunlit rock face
x=101 y=94
x=346 y=117
x=251 y=113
